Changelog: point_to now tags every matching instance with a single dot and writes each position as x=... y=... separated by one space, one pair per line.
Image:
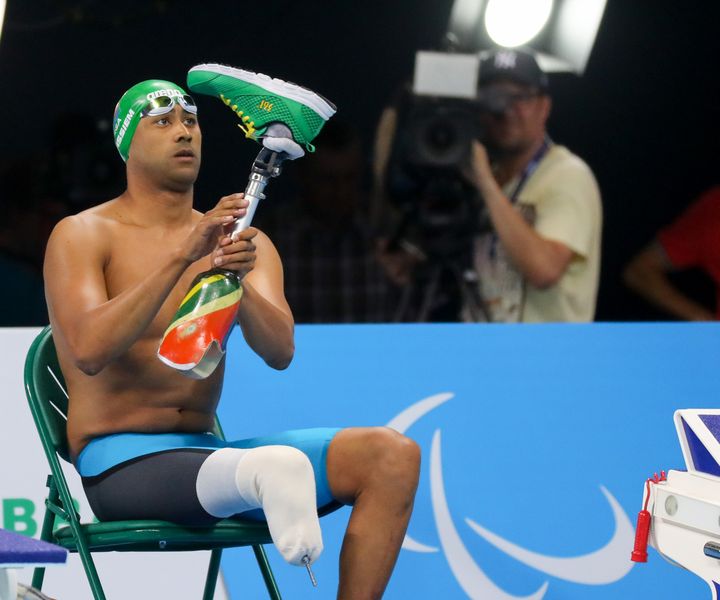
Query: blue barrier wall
x=536 y=442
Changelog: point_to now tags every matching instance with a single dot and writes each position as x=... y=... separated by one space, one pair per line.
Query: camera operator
x=535 y=251
x=540 y=261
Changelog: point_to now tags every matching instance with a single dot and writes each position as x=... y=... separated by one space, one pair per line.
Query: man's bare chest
x=134 y=260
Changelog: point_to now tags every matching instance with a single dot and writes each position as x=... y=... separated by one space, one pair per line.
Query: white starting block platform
x=685 y=509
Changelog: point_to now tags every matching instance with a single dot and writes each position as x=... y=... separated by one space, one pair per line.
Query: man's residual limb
x=267 y=164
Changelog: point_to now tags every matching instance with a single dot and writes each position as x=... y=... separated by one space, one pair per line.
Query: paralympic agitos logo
x=603 y=566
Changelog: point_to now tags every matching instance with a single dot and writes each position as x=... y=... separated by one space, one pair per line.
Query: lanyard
x=530 y=168
x=522 y=180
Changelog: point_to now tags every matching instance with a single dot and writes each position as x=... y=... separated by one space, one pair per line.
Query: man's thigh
x=157 y=486
x=162 y=485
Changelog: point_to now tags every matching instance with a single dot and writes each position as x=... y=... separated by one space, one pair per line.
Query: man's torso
x=560 y=199
x=135 y=391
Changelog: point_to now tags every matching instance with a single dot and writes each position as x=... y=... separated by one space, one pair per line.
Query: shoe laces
x=247 y=125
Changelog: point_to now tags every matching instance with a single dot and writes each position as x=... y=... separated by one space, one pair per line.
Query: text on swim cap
x=167 y=92
x=124 y=127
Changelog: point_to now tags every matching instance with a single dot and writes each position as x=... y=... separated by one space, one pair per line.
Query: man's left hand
x=479 y=171
x=236 y=254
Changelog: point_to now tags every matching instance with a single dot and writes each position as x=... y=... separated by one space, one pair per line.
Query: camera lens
x=441 y=136
x=442 y=140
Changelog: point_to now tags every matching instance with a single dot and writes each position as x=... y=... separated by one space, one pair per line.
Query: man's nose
x=182 y=132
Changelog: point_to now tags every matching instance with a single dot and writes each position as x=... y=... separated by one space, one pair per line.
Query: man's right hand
x=203 y=238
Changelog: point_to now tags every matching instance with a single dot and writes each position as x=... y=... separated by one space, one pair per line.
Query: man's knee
x=404 y=452
x=392 y=457
x=364 y=458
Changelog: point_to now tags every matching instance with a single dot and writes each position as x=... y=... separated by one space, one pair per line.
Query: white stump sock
x=278 y=479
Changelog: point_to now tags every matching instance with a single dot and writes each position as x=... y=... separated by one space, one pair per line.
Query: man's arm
x=264 y=316
x=646 y=274
x=383 y=144
x=540 y=260
x=96 y=329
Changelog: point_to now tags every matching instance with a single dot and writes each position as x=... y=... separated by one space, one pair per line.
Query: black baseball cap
x=513 y=64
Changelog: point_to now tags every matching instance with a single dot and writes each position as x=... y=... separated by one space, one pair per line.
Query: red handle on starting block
x=642 y=532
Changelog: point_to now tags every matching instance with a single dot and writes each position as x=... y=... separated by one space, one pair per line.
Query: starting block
x=683 y=510
x=18 y=551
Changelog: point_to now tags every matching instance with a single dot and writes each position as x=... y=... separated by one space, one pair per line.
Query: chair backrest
x=47 y=393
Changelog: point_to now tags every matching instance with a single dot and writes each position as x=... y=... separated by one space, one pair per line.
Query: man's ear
x=546 y=106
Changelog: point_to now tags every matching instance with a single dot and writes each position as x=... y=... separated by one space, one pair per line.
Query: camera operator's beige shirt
x=564 y=199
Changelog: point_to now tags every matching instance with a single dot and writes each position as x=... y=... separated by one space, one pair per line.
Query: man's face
x=522 y=123
x=166 y=148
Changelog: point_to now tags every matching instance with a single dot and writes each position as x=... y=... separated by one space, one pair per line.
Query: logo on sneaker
x=265 y=105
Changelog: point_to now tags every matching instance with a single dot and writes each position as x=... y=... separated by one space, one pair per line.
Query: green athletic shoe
x=261 y=101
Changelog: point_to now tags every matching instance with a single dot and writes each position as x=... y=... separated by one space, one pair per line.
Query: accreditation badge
x=501 y=287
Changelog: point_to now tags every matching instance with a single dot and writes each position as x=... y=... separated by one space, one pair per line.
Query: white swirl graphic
x=401 y=423
x=606 y=565
x=413 y=413
x=471 y=578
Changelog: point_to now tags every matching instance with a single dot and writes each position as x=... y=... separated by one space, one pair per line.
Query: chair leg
x=267 y=573
x=46 y=532
x=89 y=566
x=74 y=522
x=38 y=577
x=212 y=574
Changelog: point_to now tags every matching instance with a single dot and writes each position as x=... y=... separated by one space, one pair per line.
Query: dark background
x=644 y=115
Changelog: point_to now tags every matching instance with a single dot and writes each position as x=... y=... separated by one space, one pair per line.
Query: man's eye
x=162 y=122
x=190 y=121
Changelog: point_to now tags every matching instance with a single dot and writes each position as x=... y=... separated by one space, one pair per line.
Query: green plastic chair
x=45 y=390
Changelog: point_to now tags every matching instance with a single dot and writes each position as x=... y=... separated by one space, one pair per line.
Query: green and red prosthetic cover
x=195 y=341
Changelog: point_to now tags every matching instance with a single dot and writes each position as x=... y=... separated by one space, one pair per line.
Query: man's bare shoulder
x=92 y=223
x=263 y=239
x=88 y=233
x=265 y=247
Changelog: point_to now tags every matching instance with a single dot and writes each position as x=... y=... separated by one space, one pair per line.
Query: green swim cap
x=129 y=108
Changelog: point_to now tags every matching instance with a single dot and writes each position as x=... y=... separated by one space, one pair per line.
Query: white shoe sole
x=276 y=86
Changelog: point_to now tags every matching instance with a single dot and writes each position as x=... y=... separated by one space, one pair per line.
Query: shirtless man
x=137 y=429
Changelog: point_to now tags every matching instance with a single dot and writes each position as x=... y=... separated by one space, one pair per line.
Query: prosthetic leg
x=283 y=117
x=682 y=511
x=195 y=341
